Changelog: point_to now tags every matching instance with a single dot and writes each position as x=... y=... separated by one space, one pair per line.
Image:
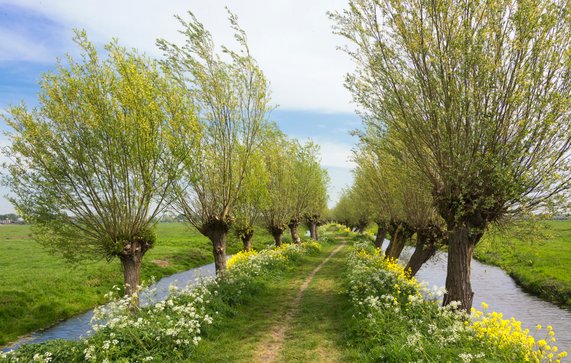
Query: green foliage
x=233 y=99
x=476 y=92
x=254 y=196
x=353 y=208
x=279 y=163
x=309 y=181
x=93 y=164
x=402 y=193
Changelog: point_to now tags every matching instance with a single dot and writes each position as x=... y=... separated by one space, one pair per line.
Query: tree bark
x=361 y=226
x=395 y=235
x=316 y=231
x=458 y=284
x=293 y=227
x=247 y=240
x=425 y=249
x=397 y=243
x=380 y=238
x=313 y=230
x=277 y=233
x=131 y=258
x=217 y=231
x=219 y=249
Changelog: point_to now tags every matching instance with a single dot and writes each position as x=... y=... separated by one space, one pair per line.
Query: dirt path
x=269 y=349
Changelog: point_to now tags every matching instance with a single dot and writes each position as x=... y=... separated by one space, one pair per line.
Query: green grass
x=38 y=289
x=316 y=332
x=541 y=266
x=319 y=332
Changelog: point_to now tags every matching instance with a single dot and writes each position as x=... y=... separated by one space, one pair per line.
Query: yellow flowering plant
x=399 y=319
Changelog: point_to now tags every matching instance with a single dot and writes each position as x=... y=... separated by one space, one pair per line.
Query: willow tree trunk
x=247 y=240
x=293 y=227
x=218 y=239
x=460 y=250
x=395 y=237
x=277 y=233
x=397 y=243
x=316 y=232
x=424 y=250
x=313 y=230
x=217 y=231
x=380 y=238
x=395 y=231
x=131 y=258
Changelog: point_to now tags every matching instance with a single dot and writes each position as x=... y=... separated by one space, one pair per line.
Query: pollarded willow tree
x=233 y=100
x=278 y=152
x=317 y=199
x=93 y=164
x=478 y=94
x=308 y=183
x=317 y=203
x=403 y=200
x=377 y=178
x=253 y=198
x=368 y=183
x=351 y=209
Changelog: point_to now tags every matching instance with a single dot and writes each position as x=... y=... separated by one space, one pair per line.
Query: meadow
x=540 y=264
x=38 y=289
x=335 y=300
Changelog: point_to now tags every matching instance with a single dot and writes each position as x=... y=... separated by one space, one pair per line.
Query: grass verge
x=239 y=339
x=540 y=264
x=38 y=289
x=319 y=331
x=169 y=331
x=397 y=319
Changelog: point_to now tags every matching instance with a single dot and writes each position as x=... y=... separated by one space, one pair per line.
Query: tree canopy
x=233 y=103
x=477 y=93
x=94 y=163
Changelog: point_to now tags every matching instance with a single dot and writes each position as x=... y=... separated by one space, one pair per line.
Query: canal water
x=490 y=284
x=496 y=288
x=78 y=326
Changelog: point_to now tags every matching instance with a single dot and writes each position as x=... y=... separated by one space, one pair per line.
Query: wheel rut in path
x=269 y=350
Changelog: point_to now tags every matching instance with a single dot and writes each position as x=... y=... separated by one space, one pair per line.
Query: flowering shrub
x=254 y=262
x=240 y=257
x=398 y=319
x=168 y=330
x=508 y=335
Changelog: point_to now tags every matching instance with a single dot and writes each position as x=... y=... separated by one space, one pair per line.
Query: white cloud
x=336 y=155
x=292 y=40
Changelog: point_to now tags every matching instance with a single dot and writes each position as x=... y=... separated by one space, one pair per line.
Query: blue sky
x=291 y=40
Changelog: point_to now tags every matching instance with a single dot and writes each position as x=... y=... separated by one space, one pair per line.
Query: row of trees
x=117 y=141
x=402 y=208
x=466 y=108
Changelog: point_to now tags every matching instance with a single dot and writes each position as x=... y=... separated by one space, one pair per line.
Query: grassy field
x=541 y=266
x=38 y=289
